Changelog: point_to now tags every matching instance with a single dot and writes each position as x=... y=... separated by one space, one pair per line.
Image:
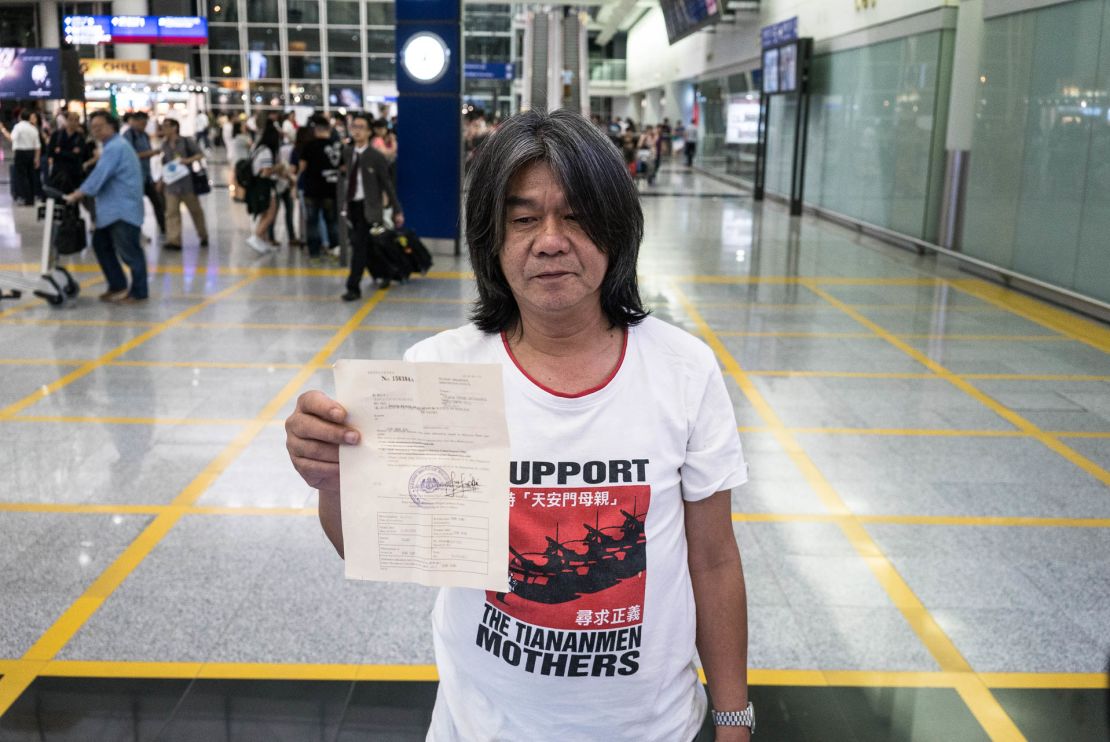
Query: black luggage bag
x=417 y=257
x=386 y=261
x=70 y=235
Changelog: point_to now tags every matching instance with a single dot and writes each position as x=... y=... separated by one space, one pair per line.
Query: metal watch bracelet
x=745 y=718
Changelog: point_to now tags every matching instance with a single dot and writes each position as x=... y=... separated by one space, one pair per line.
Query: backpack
x=243 y=172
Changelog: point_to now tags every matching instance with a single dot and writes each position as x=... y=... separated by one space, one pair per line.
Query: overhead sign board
x=779 y=33
x=135 y=29
x=488 y=70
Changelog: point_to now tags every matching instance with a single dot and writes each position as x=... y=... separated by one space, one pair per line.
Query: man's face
x=322 y=132
x=552 y=267
x=72 y=122
x=360 y=132
x=100 y=129
x=137 y=123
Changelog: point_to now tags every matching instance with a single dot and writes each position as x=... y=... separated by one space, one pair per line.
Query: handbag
x=201 y=184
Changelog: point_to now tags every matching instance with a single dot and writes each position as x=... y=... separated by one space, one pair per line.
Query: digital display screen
x=770 y=70
x=684 y=17
x=135 y=29
x=30 y=74
x=781 y=68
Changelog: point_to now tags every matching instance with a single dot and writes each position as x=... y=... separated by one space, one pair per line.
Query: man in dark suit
x=362 y=187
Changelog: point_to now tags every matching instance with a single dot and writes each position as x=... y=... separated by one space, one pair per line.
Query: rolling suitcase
x=417 y=257
x=385 y=260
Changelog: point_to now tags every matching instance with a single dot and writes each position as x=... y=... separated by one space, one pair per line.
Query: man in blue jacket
x=117 y=185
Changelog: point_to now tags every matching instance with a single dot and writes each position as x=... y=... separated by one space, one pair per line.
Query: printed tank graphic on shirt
x=577 y=569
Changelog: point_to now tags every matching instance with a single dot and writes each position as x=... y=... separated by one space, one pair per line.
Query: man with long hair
x=624 y=453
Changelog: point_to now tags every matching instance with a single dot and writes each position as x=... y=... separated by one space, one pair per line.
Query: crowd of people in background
x=328 y=179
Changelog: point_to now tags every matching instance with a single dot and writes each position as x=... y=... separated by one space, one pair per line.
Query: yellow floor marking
x=1036 y=377
x=1040 y=680
x=1050 y=442
x=370 y=672
x=927 y=520
x=43 y=361
x=63 y=629
x=842 y=374
x=259 y=326
x=791 y=280
x=127 y=420
x=985 y=338
x=238 y=271
x=840 y=335
x=1074 y=326
x=983 y=705
x=426 y=300
x=87 y=368
x=913 y=432
x=47 y=322
x=987 y=710
x=79 y=508
x=206 y=364
x=404 y=328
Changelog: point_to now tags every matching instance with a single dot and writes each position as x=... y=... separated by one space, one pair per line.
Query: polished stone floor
x=926 y=532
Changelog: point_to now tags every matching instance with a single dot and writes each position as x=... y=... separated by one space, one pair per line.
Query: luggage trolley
x=54 y=285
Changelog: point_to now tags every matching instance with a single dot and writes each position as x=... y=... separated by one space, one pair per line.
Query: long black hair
x=598 y=189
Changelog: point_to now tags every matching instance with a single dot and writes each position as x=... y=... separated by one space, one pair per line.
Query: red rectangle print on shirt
x=578 y=557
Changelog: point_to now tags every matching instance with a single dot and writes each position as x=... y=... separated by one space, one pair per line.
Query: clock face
x=425 y=57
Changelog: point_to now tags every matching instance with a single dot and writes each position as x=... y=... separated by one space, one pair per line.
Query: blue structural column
x=429 y=101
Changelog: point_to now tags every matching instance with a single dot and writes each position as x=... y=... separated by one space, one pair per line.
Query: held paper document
x=426 y=490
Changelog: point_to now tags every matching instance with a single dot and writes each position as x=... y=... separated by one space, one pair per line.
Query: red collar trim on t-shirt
x=549 y=390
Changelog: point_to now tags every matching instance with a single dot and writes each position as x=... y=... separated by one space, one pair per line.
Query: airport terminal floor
x=925 y=536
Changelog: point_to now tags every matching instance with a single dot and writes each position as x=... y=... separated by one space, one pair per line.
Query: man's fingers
x=321 y=405
x=300 y=425
x=317 y=474
x=309 y=449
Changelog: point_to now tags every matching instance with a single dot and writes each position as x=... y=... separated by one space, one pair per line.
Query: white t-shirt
x=261 y=158
x=596 y=639
x=25 y=136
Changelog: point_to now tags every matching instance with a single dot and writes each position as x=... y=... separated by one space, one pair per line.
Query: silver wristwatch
x=745 y=718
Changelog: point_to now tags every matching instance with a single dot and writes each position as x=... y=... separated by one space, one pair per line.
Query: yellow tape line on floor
x=1019 y=422
x=64 y=628
x=983 y=706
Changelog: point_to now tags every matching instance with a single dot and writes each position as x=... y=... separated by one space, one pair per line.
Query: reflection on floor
x=926 y=532
x=69 y=709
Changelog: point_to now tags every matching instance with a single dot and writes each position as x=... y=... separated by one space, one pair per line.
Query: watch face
x=425 y=57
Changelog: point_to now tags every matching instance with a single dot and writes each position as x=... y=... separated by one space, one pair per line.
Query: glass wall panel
x=381 y=41
x=1037 y=199
x=383 y=68
x=380 y=14
x=225 y=65
x=344 y=68
x=343 y=13
x=223 y=11
x=304 y=38
x=872 y=133
x=263 y=39
x=261 y=11
x=303 y=11
x=224 y=38
x=344 y=40
x=306 y=67
x=1092 y=266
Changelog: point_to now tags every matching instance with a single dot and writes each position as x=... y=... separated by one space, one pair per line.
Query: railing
x=608 y=70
